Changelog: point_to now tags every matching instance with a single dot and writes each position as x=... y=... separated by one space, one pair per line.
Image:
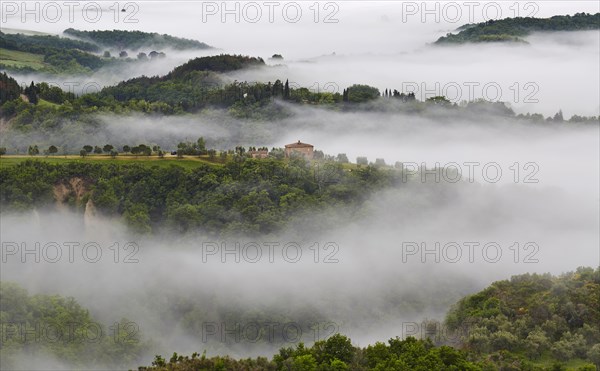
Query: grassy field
x=187 y=162
x=15 y=58
x=45 y=103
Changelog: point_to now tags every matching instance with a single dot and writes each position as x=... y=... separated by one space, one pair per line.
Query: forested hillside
x=135 y=40
x=534 y=306
x=537 y=316
x=58 y=54
x=51 y=325
x=241 y=196
x=514 y=29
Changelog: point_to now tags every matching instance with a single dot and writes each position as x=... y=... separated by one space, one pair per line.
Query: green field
x=45 y=103
x=13 y=58
x=187 y=162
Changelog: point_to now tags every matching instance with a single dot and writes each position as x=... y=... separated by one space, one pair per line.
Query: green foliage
x=409 y=354
x=53 y=94
x=362 y=93
x=134 y=40
x=9 y=88
x=513 y=29
x=248 y=196
x=41 y=43
x=64 y=55
x=535 y=315
x=60 y=327
x=216 y=63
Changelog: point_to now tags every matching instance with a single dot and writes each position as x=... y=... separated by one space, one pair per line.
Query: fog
x=562 y=155
x=376 y=282
x=379 y=283
x=384 y=44
x=369 y=293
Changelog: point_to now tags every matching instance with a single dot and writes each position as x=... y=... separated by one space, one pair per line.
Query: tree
x=439 y=101
x=137 y=218
x=201 y=145
x=106 y=54
x=113 y=153
x=83 y=153
x=594 y=354
x=342 y=158
x=559 y=116
x=2 y=151
x=361 y=93
x=277 y=56
x=33 y=150
x=304 y=362
x=286 y=90
x=52 y=150
x=362 y=161
x=126 y=148
x=107 y=148
x=337 y=347
x=145 y=150
x=142 y=56
x=31 y=93
x=88 y=148
x=97 y=150
x=123 y=54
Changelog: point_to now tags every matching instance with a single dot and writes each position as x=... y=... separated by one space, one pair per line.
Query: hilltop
x=515 y=29
x=135 y=40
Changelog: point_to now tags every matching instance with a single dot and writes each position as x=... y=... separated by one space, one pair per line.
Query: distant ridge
x=514 y=29
x=135 y=40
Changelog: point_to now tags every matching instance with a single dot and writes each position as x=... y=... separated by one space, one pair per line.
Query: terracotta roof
x=298 y=144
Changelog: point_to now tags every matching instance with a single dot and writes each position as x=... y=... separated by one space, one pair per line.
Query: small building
x=303 y=149
x=261 y=153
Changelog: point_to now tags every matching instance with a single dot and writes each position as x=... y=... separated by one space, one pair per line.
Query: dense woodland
x=33 y=323
x=201 y=84
x=135 y=40
x=514 y=29
x=62 y=55
x=529 y=322
x=86 y=51
x=242 y=196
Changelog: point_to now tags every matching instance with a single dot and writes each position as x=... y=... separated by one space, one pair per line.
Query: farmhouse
x=303 y=149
